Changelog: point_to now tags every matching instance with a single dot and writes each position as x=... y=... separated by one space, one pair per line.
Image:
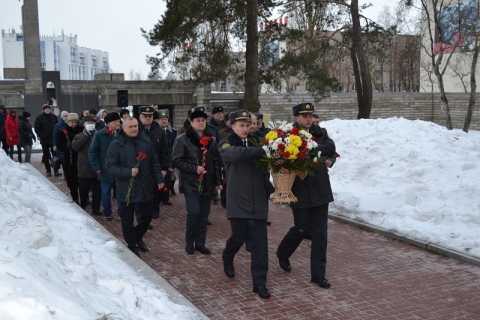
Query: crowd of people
x=137 y=161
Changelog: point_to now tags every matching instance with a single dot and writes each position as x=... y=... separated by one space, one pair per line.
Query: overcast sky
x=108 y=25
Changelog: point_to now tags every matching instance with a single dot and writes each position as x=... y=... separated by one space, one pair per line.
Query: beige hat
x=73 y=117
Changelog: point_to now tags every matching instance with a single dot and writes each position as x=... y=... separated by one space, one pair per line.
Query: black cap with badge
x=217 y=110
x=146 y=110
x=198 y=112
x=240 y=115
x=303 y=108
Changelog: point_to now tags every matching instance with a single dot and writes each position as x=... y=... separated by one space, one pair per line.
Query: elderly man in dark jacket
x=133 y=162
x=44 y=124
x=314 y=193
x=87 y=177
x=248 y=190
x=195 y=154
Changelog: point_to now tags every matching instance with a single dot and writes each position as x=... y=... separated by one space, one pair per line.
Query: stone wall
x=422 y=106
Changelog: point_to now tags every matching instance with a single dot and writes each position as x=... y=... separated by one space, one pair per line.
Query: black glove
x=69 y=145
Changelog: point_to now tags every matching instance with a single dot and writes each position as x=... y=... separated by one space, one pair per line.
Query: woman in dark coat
x=26 y=135
x=64 y=143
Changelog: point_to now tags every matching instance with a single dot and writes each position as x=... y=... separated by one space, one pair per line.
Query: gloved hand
x=69 y=145
x=267 y=151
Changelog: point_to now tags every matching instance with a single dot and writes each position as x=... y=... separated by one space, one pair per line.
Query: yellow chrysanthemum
x=272 y=135
x=293 y=152
x=296 y=141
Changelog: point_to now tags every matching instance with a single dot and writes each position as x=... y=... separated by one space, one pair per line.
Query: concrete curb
x=131 y=259
x=427 y=246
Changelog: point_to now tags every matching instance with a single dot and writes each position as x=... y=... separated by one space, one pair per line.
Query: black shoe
x=97 y=212
x=137 y=254
x=57 y=174
x=156 y=215
x=150 y=227
x=209 y=223
x=229 y=270
x=269 y=223
x=49 y=174
x=189 y=248
x=142 y=246
x=262 y=291
x=322 y=282
x=248 y=247
x=285 y=264
x=168 y=203
x=202 y=250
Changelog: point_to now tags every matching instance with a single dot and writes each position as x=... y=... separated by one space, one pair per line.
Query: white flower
x=315 y=159
x=319 y=154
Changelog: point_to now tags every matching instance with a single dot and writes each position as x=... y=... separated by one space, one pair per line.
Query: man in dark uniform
x=44 y=124
x=163 y=116
x=247 y=205
x=160 y=145
x=314 y=193
x=217 y=118
x=123 y=163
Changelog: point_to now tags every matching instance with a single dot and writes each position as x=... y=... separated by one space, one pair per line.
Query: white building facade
x=57 y=53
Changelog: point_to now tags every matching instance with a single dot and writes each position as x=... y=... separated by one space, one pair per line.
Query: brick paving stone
x=372 y=277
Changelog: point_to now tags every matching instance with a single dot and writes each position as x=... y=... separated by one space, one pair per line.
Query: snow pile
x=55 y=262
x=411 y=177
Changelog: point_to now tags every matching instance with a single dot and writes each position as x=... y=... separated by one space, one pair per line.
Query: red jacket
x=11 y=129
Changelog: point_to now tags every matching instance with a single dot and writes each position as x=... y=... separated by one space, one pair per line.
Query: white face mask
x=90 y=127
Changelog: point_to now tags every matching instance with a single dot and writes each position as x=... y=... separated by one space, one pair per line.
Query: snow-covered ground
x=414 y=178
x=411 y=177
x=56 y=263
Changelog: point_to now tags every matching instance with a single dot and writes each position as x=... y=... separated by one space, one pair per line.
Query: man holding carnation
x=195 y=154
x=314 y=193
x=247 y=206
x=133 y=162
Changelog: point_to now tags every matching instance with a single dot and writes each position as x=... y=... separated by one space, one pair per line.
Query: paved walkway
x=372 y=277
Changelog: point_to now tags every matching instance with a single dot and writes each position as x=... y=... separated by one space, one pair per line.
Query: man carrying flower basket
x=313 y=194
x=133 y=162
x=195 y=154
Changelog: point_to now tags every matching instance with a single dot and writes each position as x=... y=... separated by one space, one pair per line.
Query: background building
x=57 y=53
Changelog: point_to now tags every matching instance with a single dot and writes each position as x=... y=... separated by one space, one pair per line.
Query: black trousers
x=259 y=257
x=133 y=234
x=317 y=217
x=198 y=209
x=84 y=186
x=47 y=151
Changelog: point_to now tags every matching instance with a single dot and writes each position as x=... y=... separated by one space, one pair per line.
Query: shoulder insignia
x=225 y=145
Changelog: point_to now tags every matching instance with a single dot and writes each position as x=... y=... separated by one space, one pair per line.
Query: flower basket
x=283 y=182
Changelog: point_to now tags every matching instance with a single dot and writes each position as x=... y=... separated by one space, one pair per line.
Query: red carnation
x=108 y=131
x=224 y=182
x=65 y=131
x=304 y=144
x=141 y=156
x=294 y=131
x=316 y=164
x=265 y=142
x=286 y=154
x=281 y=146
x=300 y=155
x=337 y=155
x=205 y=140
x=165 y=189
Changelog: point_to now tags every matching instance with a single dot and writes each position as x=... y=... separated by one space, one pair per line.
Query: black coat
x=159 y=139
x=187 y=156
x=81 y=143
x=315 y=190
x=121 y=158
x=248 y=187
x=26 y=133
x=3 y=117
x=44 y=125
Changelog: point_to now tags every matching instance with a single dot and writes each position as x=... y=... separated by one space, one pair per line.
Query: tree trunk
x=473 y=88
x=252 y=102
x=360 y=66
